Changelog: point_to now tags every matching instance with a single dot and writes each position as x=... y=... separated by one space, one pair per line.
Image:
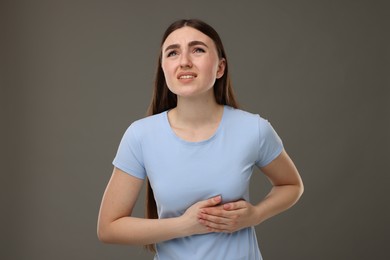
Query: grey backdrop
x=75 y=74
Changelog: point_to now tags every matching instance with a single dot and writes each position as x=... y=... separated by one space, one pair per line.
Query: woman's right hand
x=117 y=226
x=191 y=215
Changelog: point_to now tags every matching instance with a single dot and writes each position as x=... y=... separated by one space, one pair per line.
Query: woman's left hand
x=287 y=189
x=229 y=217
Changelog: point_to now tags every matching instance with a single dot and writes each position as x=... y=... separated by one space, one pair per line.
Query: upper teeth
x=186 y=76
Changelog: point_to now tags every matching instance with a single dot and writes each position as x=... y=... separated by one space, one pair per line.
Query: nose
x=185 y=60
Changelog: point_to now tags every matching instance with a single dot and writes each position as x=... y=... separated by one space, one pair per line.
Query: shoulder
x=149 y=120
x=241 y=116
x=247 y=121
x=149 y=124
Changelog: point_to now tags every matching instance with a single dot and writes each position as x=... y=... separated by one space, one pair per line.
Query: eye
x=199 y=50
x=172 y=53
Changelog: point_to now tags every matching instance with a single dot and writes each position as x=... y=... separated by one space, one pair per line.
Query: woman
x=197 y=150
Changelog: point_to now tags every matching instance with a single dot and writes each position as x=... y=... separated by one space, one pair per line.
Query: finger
x=213 y=225
x=235 y=205
x=217 y=227
x=215 y=211
x=214 y=219
x=210 y=202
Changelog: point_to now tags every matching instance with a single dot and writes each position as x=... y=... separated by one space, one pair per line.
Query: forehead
x=185 y=35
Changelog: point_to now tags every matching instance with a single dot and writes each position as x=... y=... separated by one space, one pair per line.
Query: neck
x=196 y=112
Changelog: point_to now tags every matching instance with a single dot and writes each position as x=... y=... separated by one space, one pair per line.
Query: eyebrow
x=190 y=44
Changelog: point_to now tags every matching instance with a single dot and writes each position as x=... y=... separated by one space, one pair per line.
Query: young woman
x=197 y=150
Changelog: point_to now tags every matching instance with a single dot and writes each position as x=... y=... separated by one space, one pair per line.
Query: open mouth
x=187 y=75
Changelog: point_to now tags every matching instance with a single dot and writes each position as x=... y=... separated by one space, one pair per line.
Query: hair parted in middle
x=163 y=99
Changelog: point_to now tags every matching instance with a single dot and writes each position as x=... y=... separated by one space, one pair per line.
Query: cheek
x=163 y=67
x=167 y=67
x=212 y=65
x=212 y=68
x=165 y=70
x=168 y=74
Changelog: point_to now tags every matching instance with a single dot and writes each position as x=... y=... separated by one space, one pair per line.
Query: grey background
x=75 y=74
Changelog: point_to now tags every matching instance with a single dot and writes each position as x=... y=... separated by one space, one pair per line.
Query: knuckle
x=218 y=221
x=215 y=226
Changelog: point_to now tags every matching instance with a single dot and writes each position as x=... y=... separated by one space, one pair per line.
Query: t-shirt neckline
x=213 y=136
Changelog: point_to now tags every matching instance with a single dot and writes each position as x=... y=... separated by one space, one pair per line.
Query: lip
x=181 y=74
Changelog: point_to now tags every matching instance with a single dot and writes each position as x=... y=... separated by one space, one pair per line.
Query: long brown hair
x=163 y=99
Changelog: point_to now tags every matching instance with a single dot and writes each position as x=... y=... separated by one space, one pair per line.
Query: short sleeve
x=270 y=145
x=129 y=155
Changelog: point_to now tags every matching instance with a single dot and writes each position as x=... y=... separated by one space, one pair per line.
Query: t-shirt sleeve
x=270 y=145
x=129 y=155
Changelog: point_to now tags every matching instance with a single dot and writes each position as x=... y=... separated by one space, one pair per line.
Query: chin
x=186 y=91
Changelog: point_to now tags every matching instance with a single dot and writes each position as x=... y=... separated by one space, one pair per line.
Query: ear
x=221 y=68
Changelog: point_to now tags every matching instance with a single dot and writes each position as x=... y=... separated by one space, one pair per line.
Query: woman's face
x=190 y=62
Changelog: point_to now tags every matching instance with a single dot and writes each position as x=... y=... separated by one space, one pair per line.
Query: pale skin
x=191 y=66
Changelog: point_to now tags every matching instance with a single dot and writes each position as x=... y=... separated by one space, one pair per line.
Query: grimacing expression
x=190 y=62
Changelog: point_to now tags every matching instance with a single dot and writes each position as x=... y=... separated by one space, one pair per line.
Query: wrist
x=259 y=214
x=183 y=226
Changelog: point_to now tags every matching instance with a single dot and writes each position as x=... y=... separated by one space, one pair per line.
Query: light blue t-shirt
x=182 y=173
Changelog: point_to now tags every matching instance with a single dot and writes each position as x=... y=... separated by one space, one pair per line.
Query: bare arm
x=116 y=225
x=287 y=189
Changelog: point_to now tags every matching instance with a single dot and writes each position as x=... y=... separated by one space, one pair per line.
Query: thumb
x=210 y=202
